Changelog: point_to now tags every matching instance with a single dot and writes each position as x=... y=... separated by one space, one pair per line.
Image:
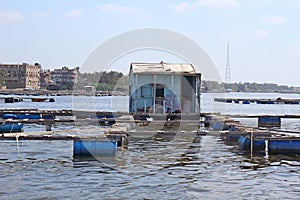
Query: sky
x=264 y=35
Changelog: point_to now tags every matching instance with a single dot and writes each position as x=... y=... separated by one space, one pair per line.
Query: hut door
x=188 y=93
x=159 y=98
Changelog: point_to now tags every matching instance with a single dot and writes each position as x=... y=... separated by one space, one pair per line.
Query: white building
x=64 y=76
x=22 y=75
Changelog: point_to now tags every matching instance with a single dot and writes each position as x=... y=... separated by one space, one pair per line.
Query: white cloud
x=9 y=17
x=183 y=7
x=256 y=3
x=74 y=13
x=118 y=9
x=295 y=48
x=262 y=33
x=42 y=14
x=273 y=20
x=218 y=3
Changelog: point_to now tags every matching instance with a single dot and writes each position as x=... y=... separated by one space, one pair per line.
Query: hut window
x=146 y=91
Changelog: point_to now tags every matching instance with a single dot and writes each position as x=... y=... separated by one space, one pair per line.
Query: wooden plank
x=75 y=134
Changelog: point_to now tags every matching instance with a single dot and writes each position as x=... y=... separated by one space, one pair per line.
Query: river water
x=177 y=167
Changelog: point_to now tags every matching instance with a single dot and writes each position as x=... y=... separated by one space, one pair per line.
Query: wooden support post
x=48 y=127
x=251 y=144
x=267 y=148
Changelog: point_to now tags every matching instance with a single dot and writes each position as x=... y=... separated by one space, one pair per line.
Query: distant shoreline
x=206 y=87
x=109 y=93
x=20 y=92
x=215 y=87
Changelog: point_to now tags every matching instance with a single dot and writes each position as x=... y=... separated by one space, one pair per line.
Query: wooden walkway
x=118 y=134
x=63 y=112
x=37 y=111
x=216 y=124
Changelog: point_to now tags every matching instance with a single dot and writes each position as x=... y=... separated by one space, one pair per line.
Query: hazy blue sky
x=264 y=35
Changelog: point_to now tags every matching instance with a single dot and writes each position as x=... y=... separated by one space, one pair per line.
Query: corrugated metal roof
x=165 y=68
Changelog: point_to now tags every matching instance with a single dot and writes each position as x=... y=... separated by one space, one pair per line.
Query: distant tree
x=111 y=77
x=241 y=87
x=3 y=74
x=104 y=81
x=213 y=86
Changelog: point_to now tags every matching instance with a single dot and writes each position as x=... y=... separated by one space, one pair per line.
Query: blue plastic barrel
x=11 y=127
x=10 y=116
x=87 y=148
x=246 y=102
x=30 y=116
x=217 y=126
x=245 y=143
x=48 y=116
x=284 y=146
x=269 y=121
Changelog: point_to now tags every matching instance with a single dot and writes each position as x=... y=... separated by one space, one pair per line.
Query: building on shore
x=22 y=75
x=45 y=78
x=65 y=78
x=89 y=89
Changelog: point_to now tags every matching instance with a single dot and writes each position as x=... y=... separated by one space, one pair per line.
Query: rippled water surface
x=155 y=167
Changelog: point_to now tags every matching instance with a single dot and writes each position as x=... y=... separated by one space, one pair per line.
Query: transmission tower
x=227 y=74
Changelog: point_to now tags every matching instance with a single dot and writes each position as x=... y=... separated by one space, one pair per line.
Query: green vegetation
x=67 y=86
x=117 y=81
x=213 y=86
x=104 y=81
x=3 y=74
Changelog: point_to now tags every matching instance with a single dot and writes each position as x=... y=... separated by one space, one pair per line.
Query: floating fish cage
x=273 y=145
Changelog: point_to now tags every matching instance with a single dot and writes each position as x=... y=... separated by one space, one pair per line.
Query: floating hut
x=159 y=88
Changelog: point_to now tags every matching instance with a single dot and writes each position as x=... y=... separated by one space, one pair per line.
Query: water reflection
x=154 y=167
x=261 y=158
x=258 y=161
